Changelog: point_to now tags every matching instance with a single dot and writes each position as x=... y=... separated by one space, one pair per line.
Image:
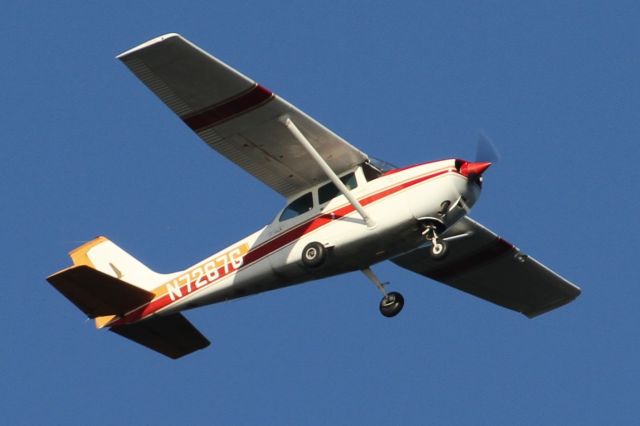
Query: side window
x=328 y=191
x=297 y=207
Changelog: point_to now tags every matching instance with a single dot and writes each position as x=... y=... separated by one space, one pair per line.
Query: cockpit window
x=297 y=207
x=329 y=190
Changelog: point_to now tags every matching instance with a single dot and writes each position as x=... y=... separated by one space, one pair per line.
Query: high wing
x=483 y=264
x=237 y=117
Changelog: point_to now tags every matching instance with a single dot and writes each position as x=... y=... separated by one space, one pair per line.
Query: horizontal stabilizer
x=172 y=335
x=96 y=293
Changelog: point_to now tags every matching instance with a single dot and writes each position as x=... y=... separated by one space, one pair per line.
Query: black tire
x=438 y=250
x=391 y=304
x=314 y=254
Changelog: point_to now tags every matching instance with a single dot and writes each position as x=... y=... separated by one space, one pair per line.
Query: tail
x=106 y=282
x=103 y=255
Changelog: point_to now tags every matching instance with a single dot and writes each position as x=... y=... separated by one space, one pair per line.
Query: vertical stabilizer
x=105 y=256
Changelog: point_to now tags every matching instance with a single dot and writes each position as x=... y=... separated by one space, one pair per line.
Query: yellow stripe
x=79 y=255
x=102 y=321
x=162 y=289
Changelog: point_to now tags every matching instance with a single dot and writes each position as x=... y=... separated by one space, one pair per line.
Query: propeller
x=486 y=155
x=486 y=150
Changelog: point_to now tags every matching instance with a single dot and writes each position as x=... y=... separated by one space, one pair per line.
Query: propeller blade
x=486 y=151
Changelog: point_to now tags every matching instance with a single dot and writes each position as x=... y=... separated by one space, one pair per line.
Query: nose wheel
x=392 y=302
x=439 y=247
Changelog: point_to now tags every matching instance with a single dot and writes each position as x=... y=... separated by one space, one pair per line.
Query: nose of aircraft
x=474 y=169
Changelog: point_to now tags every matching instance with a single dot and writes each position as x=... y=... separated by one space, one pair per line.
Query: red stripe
x=402 y=169
x=228 y=108
x=165 y=300
x=282 y=240
x=277 y=243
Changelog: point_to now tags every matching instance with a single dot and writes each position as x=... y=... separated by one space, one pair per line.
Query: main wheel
x=314 y=254
x=391 y=304
x=438 y=249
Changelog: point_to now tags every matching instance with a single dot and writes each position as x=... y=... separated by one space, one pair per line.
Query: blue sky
x=88 y=150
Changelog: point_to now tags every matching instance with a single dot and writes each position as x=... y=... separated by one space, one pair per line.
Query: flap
x=171 y=335
x=483 y=264
x=98 y=294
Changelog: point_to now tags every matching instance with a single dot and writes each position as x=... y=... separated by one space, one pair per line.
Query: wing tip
x=532 y=313
x=146 y=44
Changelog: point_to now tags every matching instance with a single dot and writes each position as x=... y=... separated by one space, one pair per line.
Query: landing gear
x=314 y=254
x=439 y=247
x=391 y=303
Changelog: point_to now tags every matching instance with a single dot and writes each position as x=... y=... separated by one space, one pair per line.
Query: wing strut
x=328 y=171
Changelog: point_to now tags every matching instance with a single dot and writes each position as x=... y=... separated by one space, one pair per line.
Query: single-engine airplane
x=345 y=212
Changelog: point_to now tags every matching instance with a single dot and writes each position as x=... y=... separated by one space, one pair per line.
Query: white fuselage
x=270 y=258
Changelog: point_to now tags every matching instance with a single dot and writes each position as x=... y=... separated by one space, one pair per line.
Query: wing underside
x=237 y=117
x=483 y=264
